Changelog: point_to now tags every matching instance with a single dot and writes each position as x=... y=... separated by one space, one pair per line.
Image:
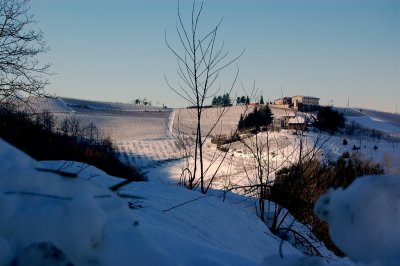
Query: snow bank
x=169 y=225
x=87 y=222
x=364 y=219
x=93 y=226
x=374 y=123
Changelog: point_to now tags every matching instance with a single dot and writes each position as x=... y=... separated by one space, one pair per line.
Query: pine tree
x=214 y=101
x=238 y=100
x=255 y=120
x=262 y=100
x=226 y=101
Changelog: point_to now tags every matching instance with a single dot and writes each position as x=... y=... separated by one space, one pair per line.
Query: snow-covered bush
x=364 y=219
x=298 y=187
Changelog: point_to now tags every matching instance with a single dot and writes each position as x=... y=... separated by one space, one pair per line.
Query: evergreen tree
x=214 y=101
x=261 y=100
x=329 y=120
x=226 y=100
x=261 y=116
x=219 y=100
x=223 y=100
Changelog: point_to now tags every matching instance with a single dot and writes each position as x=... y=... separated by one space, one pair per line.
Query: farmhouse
x=304 y=103
x=283 y=103
x=297 y=103
x=297 y=122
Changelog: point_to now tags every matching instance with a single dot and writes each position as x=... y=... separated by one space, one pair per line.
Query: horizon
x=395 y=112
x=340 y=51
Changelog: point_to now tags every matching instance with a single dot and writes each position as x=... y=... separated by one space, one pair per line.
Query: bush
x=261 y=116
x=221 y=140
x=298 y=187
x=329 y=120
x=37 y=136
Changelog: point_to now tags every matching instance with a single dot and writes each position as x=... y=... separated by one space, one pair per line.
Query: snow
x=293 y=260
x=296 y=120
x=373 y=123
x=363 y=219
x=166 y=225
x=76 y=215
x=93 y=226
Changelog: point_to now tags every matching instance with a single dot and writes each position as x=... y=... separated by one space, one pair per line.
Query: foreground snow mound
x=88 y=223
x=293 y=260
x=52 y=219
x=364 y=219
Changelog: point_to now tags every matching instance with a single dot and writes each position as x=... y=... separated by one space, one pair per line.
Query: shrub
x=329 y=120
x=297 y=188
x=37 y=136
x=261 y=116
x=221 y=140
x=346 y=155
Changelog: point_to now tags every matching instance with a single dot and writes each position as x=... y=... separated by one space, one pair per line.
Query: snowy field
x=138 y=225
x=157 y=222
x=386 y=122
x=143 y=136
x=212 y=120
x=184 y=121
x=52 y=219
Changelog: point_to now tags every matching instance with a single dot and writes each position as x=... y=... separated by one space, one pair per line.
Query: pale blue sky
x=337 y=50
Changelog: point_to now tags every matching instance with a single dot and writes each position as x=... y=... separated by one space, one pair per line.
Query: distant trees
x=144 y=101
x=261 y=100
x=242 y=100
x=21 y=73
x=200 y=61
x=260 y=116
x=223 y=100
x=329 y=120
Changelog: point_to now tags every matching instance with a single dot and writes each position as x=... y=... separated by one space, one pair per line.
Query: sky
x=342 y=51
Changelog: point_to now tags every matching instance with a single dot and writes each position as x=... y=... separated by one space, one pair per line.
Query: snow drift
x=89 y=224
x=80 y=221
x=364 y=219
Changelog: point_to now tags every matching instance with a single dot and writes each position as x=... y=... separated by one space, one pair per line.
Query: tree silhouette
x=21 y=74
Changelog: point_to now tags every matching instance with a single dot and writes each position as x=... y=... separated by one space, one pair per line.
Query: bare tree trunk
x=200 y=61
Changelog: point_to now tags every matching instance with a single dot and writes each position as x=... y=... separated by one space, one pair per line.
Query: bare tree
x=21 y=73
x=200 y=61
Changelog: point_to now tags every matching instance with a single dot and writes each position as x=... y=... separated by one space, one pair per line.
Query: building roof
x=305 y=97
x=296 y=120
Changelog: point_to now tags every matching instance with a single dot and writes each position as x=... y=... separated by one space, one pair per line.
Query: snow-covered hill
x=52 y=217
x=138 y=225
x=80 y=220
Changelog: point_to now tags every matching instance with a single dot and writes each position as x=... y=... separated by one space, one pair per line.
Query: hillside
x=145 y=135
x=93 y=226
x=52 y=219
x=144 y=138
